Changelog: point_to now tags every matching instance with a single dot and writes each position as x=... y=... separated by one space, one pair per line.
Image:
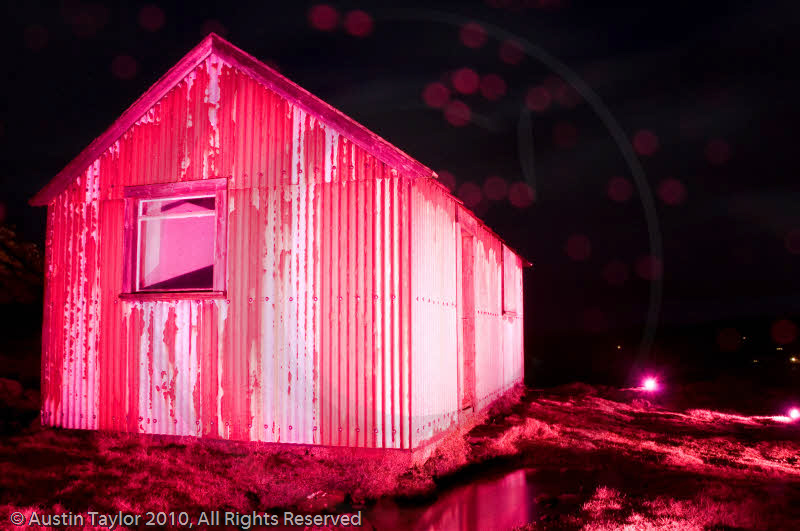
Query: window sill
x=172 y=295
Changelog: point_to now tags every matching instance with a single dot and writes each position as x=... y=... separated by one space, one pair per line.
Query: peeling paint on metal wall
x=306 y=347
x=434 y=316
x=340 y=270
x=72 y=330
x=436 y=325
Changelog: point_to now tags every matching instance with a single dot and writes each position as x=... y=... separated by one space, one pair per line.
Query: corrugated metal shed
x=341 y=319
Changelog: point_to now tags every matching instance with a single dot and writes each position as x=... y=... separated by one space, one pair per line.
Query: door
x=467 y=320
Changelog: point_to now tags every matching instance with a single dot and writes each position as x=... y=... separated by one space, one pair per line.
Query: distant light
x=794 y=413
x=755 y=361
x=650 y=384
x=793 y=359
x=778 y=348
x=619 y=347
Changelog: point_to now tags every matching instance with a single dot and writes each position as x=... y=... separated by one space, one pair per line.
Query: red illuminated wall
x=438 y=350
x=339 y=324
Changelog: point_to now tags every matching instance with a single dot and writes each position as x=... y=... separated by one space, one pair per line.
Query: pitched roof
x=265 y=75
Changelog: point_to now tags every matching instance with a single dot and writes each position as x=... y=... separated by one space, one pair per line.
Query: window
x=175 y=237
x=512 y=282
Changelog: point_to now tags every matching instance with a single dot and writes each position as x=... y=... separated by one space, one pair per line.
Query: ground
x=595 y=458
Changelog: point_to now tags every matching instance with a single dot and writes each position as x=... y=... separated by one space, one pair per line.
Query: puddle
x=483 y=505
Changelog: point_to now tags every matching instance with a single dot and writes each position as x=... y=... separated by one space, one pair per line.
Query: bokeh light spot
x=616 y=273
x=495 y=188
x=521 y=195
x=436 y=95
x=466 y=80
x=565 y=135
x=718 y=151
x=493 y=87
x=323 y=17
x=784 y=331
x=537 y=99
x=729 y=339
x=457 y=113
x=672 y=192
x=35 y=37
x=568 y=96
x=650 y=384
x=472 y=35
x=85 y=19
x=470 y=193
x=151 y=18
x=124 y=67
x=561 y=91
x=620 y=189
x=511 y=52
x=578 y=247
x=447 y=179
x=794 y=413
x=358 y=23
x=649 y=267
x=792 y=241
x=645 y=142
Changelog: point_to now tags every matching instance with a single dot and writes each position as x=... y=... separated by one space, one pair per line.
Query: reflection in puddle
x=502 y=503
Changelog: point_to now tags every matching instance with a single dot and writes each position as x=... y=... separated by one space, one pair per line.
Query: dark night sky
x=715 y=83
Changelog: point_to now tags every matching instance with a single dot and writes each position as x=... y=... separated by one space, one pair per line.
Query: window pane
x=156 y=207
x=177 y=253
